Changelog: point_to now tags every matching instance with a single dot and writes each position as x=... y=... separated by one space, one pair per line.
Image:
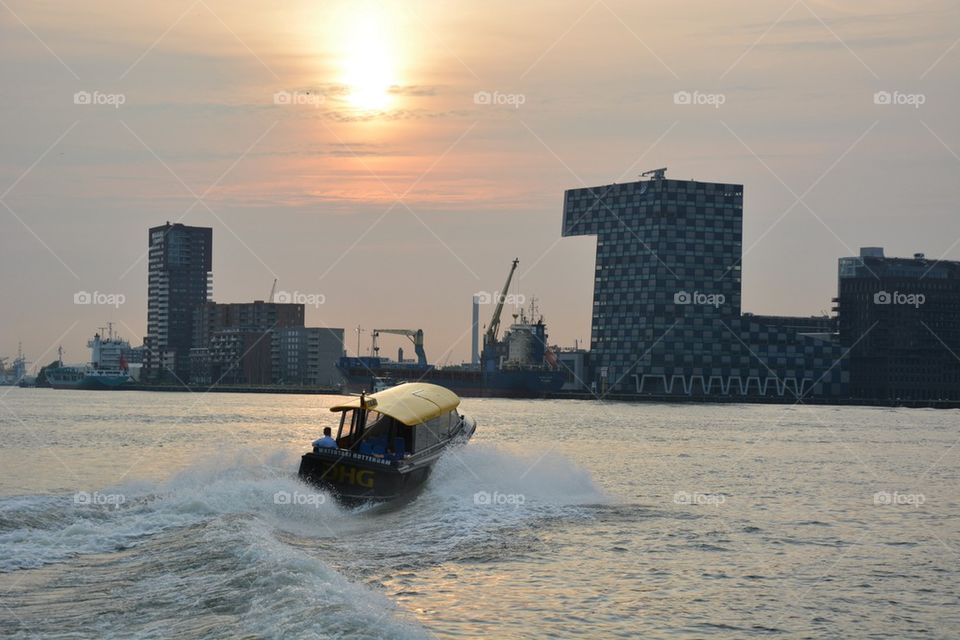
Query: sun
x=368 y=57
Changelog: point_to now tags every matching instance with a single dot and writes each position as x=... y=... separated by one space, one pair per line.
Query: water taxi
x=387 y=442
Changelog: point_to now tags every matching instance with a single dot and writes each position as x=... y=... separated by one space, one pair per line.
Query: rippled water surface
x=127 y=514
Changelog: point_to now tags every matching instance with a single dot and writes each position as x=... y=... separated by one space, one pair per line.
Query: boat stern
x=353 y=478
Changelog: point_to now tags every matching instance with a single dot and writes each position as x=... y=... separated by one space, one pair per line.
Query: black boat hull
x=353 y=479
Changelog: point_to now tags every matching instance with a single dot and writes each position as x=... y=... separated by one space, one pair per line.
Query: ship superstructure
x=107 y=369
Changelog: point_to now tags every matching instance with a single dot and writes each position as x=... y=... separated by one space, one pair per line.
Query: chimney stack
x=475 y=333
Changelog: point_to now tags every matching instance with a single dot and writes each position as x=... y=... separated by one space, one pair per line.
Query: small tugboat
x=387 y=442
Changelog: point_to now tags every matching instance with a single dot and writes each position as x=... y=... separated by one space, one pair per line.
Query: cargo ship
x=518 y=365
x=108 y=368
x=17 y=372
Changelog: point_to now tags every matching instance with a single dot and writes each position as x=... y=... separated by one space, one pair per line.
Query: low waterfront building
x=233 y=341
x=238 y=357
x=307 y=356
x=812 y=325
x=575 y=364
x=212 y=317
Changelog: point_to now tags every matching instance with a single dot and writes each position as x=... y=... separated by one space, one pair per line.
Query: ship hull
x=90 y=385
x=520 y=383
x=74 y=380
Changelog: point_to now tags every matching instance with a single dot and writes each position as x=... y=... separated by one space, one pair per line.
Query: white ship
x=108 y=368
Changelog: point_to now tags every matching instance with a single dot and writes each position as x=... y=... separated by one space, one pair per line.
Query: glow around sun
x=368 y=56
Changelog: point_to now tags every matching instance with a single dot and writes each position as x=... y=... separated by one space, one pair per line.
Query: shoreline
x=573 y=395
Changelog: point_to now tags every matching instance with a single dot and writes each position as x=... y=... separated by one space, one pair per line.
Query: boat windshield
x=373 y=433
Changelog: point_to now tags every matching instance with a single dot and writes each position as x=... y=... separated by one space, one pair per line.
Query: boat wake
x=546 y=478
x=248 y=540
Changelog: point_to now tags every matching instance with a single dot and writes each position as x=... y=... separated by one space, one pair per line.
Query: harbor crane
x=415 y=335
x=491 y=336
x=654 y=174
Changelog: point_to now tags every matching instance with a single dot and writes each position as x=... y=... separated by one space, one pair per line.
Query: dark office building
x=307 y=356
x=179 y=281
x=253 y=316
x=237 y=357
x=900 y=318
x=233 y=342
x=666 y=303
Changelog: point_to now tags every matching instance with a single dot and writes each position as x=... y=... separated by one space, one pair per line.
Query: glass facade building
x=667 y=298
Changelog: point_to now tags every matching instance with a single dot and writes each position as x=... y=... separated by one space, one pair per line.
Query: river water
x=156 y=515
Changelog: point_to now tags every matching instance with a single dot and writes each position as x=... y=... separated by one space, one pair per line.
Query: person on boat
x=326 y=442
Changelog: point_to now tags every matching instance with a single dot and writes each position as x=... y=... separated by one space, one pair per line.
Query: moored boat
x=86 y=377
x=107 y=369
x=388 y=442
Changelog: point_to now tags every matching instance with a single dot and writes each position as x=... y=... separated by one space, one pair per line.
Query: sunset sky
x=342 y=147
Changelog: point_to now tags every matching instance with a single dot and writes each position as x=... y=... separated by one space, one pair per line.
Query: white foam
x=544 y=477
x=264 y=487
x=55 y=528
x=294 y=594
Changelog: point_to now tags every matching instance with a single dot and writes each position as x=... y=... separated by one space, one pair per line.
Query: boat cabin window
x=373 y=433
x=349 y=426
x=435 y=430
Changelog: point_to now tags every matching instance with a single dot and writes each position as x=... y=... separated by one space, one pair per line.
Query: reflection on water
x=161 y=515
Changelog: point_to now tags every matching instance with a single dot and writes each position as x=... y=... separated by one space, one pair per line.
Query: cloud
x=859 y=19
x=414 y=90
x=829 y=43
x=392 y=115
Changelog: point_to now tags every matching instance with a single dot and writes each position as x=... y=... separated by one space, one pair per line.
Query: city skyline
x=296 y=144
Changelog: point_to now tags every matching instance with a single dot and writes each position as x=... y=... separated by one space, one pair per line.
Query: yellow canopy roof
x=411 y=403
